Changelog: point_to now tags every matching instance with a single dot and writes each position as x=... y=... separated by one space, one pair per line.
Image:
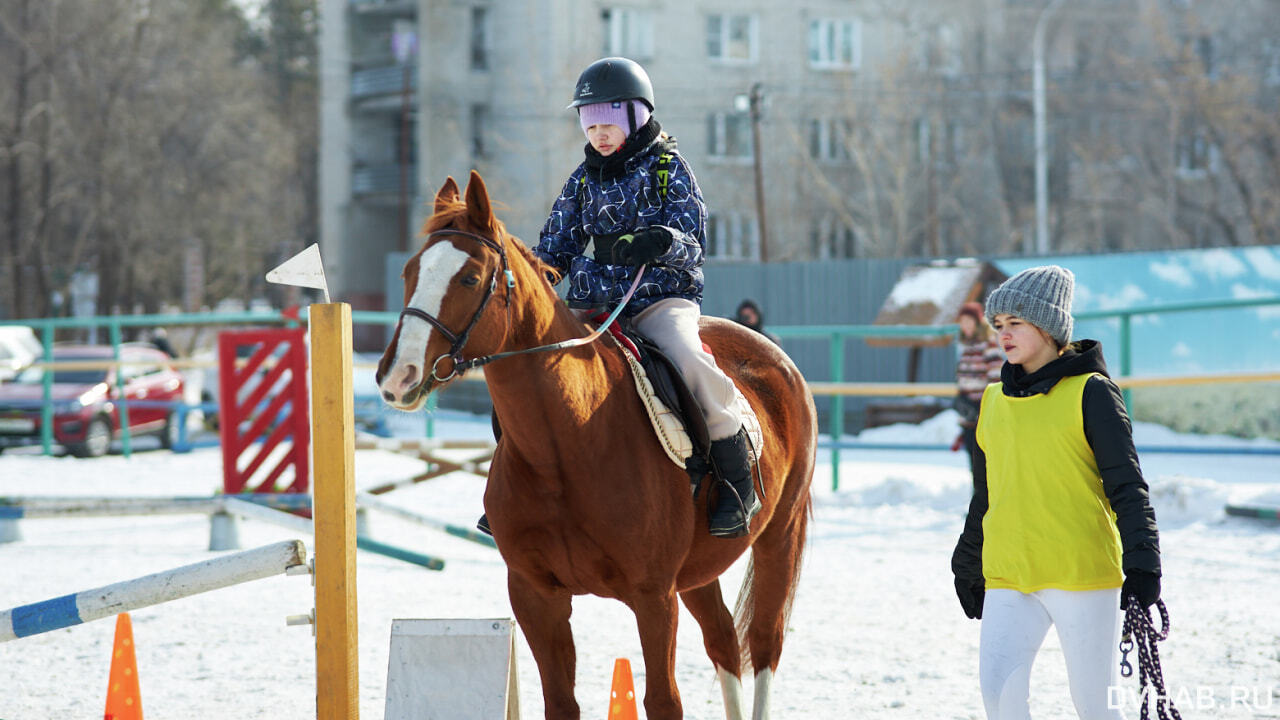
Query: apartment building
x=884 y=128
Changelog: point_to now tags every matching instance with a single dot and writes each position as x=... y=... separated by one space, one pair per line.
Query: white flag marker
x=303 y=270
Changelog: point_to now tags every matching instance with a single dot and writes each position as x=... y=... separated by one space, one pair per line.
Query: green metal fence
x=837 y=337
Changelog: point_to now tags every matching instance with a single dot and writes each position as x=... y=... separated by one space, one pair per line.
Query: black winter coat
x=1107 y=429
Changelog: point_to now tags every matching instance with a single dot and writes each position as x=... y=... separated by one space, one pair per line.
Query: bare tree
x=148 y=131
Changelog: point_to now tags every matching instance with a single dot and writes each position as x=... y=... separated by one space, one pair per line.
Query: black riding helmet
x=612 y=78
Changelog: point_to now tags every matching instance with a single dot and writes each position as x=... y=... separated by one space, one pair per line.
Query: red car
x=86 y=412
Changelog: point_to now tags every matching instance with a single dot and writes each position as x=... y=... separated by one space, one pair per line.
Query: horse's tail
x=744 y=609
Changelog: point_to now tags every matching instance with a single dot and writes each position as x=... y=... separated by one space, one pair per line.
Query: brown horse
x=581 y=497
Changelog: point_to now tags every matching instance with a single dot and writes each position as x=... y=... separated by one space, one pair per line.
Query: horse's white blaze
x=731 y=689
x=760 y=711
x=436 y=268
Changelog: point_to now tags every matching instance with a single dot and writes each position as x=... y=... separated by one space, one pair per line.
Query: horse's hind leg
x=776 y=558
x=544 y=618
x=706 y=604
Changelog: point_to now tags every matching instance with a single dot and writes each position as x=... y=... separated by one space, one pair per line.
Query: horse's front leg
x=543 y=615
x=656 y=618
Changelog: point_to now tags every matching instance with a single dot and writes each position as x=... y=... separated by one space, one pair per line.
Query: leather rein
x=457 y=342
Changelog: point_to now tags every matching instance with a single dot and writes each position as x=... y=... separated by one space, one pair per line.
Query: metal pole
x=1042 y=173
x=404 y=160
x=756 y=102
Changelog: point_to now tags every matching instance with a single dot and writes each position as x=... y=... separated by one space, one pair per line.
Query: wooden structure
x=928 y=295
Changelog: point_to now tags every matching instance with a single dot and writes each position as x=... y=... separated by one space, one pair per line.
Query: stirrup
x=742 y=515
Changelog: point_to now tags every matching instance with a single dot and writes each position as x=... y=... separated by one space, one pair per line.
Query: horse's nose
x=388 y=396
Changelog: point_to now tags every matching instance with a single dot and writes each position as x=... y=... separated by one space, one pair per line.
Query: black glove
x=642 y=247
x=1142 y=586
x=971 y=594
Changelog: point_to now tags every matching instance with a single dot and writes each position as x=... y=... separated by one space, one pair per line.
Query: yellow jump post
x=333 y=468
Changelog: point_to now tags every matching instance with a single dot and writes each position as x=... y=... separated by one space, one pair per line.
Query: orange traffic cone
x=622 y=698
x=124 y=701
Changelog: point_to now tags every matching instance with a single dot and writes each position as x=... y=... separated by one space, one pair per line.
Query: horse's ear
x=478 y=207
x=447 y=194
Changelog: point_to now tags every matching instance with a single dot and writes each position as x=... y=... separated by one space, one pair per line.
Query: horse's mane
x=453 y=213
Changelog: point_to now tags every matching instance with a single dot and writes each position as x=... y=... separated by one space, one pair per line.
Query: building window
x=1195 y=154
x=479 y=38
x=1271 y=62
x=729 y=135
x=830 y=238
x=829 y=139
x=924 y=140
x=628 y=33
x=479 y=129
x=955 y=143
x=835 y=44
x=731 y=38
x=732 y=236
x=950 y=51
x=1204 y=51
x=939 y=50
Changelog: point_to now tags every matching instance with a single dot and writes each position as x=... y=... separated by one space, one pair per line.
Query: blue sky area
x=1185 y=342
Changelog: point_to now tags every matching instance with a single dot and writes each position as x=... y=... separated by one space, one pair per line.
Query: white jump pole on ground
x=153 y=589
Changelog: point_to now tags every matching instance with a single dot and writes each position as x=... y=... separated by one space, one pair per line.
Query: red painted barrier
x=263 y=402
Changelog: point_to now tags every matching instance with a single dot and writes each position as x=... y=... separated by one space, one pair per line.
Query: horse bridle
x=458 y=341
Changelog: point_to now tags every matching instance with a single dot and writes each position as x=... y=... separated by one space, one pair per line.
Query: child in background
x=977 y=367
x=1060 y=528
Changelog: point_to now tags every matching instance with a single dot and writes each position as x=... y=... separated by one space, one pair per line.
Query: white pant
x=1014 y=625
x=672 y=325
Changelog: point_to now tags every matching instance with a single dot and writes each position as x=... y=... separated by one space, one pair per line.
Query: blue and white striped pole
x=161 y=587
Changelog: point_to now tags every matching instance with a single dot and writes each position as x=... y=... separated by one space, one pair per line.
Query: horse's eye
x=471 y=280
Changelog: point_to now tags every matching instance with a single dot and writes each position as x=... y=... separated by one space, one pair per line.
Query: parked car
x=18 y=349
x=86 y=412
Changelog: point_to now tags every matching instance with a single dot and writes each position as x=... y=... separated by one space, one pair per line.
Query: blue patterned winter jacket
x=590 y=205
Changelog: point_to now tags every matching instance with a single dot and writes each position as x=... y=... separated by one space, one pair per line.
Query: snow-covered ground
x=876 y=631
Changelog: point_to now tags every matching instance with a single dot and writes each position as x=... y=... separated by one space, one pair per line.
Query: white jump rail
x=153 y=589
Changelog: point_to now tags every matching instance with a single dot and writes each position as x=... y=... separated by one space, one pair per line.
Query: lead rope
x=1139 y=631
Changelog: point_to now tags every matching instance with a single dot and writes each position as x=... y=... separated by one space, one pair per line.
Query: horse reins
x=457 y=342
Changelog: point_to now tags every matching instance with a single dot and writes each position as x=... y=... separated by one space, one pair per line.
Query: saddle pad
x=667 y=424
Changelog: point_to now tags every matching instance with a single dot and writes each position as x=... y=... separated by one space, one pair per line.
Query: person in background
x=160 y=341
x=978 y=366
x=1060 y=530
x=748 y=314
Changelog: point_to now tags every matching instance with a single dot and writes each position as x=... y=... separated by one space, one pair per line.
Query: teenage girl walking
x=1060 y=529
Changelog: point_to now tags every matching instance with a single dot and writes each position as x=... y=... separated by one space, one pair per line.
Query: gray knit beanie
x=1039 y=295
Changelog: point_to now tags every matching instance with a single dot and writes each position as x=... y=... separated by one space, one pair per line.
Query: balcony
x=382 y=179
x=385 y=7
x=381 y=81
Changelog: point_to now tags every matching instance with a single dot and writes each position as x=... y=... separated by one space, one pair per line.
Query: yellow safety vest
x=1048 y=523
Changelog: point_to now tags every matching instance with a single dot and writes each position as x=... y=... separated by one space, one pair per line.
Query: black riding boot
x=737 y=502
x=483 y=525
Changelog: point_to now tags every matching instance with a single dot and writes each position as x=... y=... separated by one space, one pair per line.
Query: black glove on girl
x=1142 y=586
x=971 y=594
x=642 y=247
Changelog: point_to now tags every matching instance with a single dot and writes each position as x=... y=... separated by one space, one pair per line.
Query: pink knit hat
x=613 y=113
